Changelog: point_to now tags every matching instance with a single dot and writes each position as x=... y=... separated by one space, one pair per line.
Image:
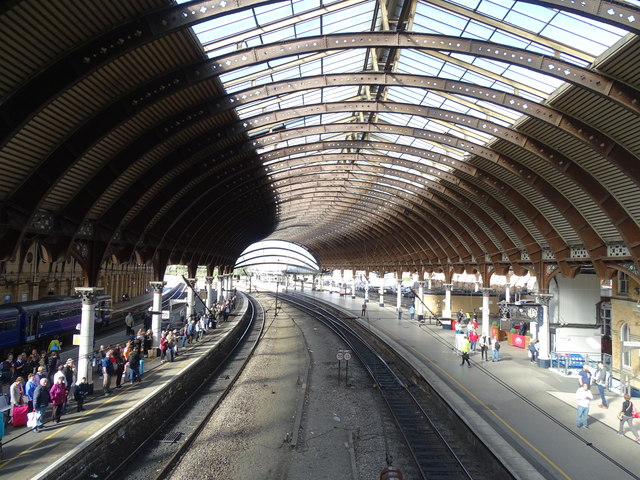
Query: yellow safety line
x=104 y=402
x=75 y=420
x=486 y=407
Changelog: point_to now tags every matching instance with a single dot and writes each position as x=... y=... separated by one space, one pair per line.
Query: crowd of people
x=470 y=340
x=584 y=396
x=39 y=380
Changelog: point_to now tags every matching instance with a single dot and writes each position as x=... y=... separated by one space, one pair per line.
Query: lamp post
x=276 y=307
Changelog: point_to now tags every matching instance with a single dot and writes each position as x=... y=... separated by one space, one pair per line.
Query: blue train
x=36 y=323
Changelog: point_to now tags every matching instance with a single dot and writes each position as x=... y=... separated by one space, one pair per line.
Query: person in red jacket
x=58 y=394
x=164 y=344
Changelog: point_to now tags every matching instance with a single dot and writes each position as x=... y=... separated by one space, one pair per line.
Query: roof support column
x=420 y=302
x=209 y=284
x=366 y=287
x=191 y=300
x=87 y=320
x=446 y=310
x=399 y=295
x=544 y=356
x=507 y=292
x=229 y=285
x=220 y=287
x=353 y=285
x=486 y=324
x=156 y=312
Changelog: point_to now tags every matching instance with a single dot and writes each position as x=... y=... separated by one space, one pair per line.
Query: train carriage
x=9 y=326
x=36 y=322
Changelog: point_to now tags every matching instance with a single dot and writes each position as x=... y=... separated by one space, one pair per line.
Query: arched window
x=625 y=336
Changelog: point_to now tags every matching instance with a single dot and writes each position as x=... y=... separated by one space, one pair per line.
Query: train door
x=33 y=325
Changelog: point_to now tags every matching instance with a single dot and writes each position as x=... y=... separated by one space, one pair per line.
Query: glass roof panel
x=535 y=28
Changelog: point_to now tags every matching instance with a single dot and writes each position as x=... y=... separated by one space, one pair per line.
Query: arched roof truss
x=378 y=134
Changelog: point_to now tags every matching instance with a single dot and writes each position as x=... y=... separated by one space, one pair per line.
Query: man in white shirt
x=584 y=397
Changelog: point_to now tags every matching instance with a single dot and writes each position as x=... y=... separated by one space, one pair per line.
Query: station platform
x=526 y=414
x=33 y=455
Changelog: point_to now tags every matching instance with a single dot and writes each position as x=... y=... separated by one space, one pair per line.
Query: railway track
x=155 y=458
x=616 y=466
x=434 y=456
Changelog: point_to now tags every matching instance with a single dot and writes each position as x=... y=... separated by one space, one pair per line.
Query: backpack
x=497 y=345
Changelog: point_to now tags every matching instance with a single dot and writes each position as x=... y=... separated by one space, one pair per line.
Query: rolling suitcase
x=20 y=415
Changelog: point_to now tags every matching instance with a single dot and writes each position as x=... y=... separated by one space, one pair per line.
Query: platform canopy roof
x=467 y=135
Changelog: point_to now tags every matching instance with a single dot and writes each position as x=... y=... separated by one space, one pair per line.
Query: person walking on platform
x=495 y=350
x=626 y=415
x=464 y=349
x=584 y=397
x=412 y=312
x=533 y=348
x=600 y=379
x=41 y=399
x=128 y=321
x=473 y=339
x=399 y=313
x=364 y=309
x=58 y=394
x=107 y=372
x=484 y=347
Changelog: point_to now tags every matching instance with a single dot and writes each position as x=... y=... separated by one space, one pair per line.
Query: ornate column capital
x=88 y=294
x=544 y=298
x=486 y=291
x=157 y=287
x=192 y=281
x=209 y=280
x=448 y=286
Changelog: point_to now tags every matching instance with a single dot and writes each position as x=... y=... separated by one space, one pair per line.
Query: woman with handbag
x=626 y=415
x=58 y=394
x=17 y=392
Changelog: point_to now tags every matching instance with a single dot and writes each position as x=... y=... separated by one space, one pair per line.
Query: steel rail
x=435 y=458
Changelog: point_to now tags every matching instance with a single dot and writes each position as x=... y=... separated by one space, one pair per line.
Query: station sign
x=343 y=354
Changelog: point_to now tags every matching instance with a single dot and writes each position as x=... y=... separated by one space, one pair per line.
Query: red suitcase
x=20 y=415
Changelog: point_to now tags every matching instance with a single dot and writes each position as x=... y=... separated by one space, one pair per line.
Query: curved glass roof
x=516 y=24
x=444 y=124
x=278 y=256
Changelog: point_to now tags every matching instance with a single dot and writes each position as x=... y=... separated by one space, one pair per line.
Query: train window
x=49 y=316
x=8 y=323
